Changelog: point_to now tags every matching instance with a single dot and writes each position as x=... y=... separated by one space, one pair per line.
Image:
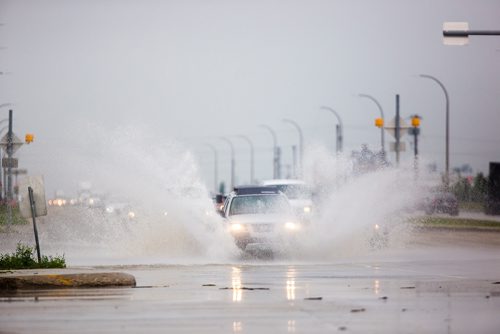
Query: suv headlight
x=236 y=227
x=307 y=209
x=291 y=226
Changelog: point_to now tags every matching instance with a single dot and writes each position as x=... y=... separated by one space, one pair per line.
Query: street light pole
x=301 y=143
x=232 y=161
x=252 y=174
x=447 y=141
x=340 y=128
x=9 y=171
x=382 y=136
x=216 y=167
x=276 y=172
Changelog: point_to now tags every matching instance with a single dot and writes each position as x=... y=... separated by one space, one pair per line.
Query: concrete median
x=76 y=280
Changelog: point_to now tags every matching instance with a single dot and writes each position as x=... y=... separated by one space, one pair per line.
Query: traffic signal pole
x=9 y=173
x=397 y=131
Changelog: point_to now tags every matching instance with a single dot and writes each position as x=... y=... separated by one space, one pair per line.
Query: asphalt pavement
x=433 y=285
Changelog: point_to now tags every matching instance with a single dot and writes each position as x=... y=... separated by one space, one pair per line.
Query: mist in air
x=174 y=217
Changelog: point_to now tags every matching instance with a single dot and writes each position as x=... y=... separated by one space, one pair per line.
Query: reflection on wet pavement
x=236 y=284
x=398 y=295
x=290 y=283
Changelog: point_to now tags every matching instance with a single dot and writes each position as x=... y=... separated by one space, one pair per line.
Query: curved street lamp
x=447 y=140
x=382 y=137
x=275 y=151
x=245 y=138
x=340 y=128
x=216 y=166
x=301 y=142
x=231 y=146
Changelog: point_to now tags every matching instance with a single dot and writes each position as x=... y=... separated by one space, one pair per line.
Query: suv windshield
x=259 y=204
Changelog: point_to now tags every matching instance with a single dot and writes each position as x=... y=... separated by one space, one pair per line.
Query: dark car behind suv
x=442 y=202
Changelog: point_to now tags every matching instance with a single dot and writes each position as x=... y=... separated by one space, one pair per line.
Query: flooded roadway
x=442 y=282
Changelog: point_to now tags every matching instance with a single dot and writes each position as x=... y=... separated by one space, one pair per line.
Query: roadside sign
x=455 y=27
x=37 y=184
x=402 y=146
x=16 y=142
x=10 y=162
x=391 y=127
x=19 y=171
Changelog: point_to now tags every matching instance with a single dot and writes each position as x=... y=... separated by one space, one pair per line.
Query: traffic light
x=379 y=122
x=29 y=138
x=415 y=121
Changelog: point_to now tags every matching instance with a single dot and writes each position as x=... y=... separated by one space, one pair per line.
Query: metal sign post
x=32 y=202
x=33 y=215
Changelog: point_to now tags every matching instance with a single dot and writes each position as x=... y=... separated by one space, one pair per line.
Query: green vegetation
x=471 y=206
x=16 y=216
x=470 y=189
x=24 y=258
x=457 y=223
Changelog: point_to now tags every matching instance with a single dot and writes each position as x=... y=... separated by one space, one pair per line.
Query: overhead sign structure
x=19 y=171
x=457 y=33
x=402 y=147
x=391 y=127
x=37 y=184
x=16 y=142
x=454 y=33
x=10 y=163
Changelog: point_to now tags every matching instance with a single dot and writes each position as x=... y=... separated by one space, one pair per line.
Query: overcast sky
x=195 y=70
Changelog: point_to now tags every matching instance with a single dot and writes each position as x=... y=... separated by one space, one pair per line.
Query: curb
x=54 y=281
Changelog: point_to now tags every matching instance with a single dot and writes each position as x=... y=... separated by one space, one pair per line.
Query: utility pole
x=299 y=171
x=398 y=132
x=252 y=164
x=415 y=131
x=233 y=177
x=9 y=172
x=294 y=161
x=339 y=128
x=276 y=152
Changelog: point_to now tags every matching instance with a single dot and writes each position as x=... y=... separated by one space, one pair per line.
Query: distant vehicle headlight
x=236 y=227
x=165 y=213
x=60 y=202
x=109 y=209
x=291 y=226
x=376 y=226
x=307 y=209
x=131 y=214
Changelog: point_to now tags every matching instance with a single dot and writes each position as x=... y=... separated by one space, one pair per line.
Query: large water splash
x=158 y=179
x=174 y=218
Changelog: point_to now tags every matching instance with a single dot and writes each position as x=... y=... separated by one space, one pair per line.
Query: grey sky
x=193 y=70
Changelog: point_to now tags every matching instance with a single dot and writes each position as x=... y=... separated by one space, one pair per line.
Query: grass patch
x=471 y=206
x=16 y=216
x=24 y=258
x=457 y=223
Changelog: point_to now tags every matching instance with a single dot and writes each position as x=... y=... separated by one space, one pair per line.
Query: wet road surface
x=431 y=287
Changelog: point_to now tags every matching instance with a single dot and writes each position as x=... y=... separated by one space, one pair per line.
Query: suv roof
x=283 y=182
x=252 y=190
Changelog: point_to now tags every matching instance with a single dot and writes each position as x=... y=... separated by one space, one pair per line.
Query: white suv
x=260 y=219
